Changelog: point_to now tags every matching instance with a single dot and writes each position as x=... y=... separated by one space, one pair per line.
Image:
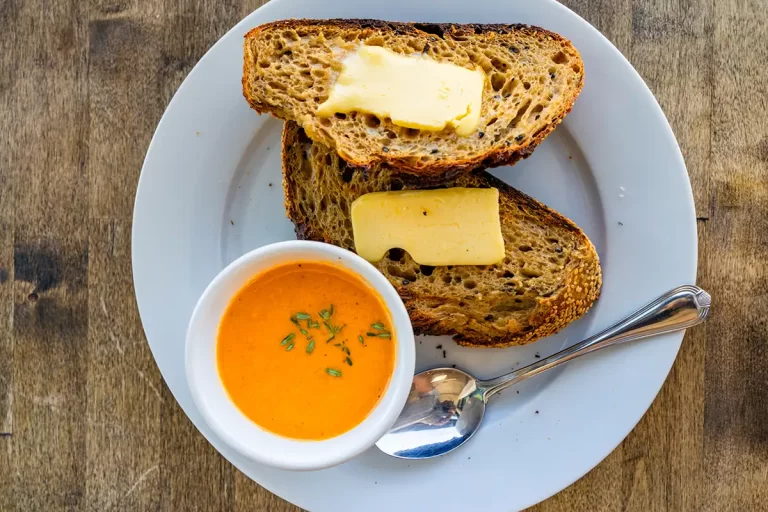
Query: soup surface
x=306 y=350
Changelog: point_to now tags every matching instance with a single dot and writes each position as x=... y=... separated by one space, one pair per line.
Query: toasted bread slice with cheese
x=533 y=76
x=550 y=275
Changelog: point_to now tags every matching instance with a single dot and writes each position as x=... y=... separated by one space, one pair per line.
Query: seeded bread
x=549 y=277
x=533 y=78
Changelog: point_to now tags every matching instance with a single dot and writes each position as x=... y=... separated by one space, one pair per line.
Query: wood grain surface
x=86 y=422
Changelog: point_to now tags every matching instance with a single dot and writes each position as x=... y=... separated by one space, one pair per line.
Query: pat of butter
x=452 y=226
x=415 y=92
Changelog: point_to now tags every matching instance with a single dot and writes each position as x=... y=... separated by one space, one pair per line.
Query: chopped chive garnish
x=361 y=340
x=324 y=314
x=345 y=350
x=384 y=335
x=295 y=322
x=287 y=339
x=333 y=372
x=303 y=316
x=348 y=361
x=311 y=347
x=379 y=327
x=331 y=311
x=371 y=334
x=289 y=347
x=337 y=344
x=303 y=331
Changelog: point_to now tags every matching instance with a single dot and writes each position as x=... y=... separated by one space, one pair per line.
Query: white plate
x=613 y=166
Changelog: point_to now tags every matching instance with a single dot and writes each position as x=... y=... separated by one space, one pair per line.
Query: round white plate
x=210 y=191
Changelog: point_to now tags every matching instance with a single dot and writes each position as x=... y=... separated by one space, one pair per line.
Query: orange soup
x=306 y=350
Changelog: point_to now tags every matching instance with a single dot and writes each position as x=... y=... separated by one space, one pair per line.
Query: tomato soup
x=306 y=350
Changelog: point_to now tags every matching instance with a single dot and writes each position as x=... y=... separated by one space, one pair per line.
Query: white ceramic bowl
x=233 y=426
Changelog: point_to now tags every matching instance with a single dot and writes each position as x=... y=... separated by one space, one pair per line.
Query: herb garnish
x=311 y=324
x=379 y=330
x=333 y=330
x=378 y=326
x=326 y=314
x=287 y=339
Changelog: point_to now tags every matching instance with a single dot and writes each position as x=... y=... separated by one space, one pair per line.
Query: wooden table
x=86 y=422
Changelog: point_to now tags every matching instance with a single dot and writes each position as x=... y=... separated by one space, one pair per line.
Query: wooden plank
x=50 y=327
x=736 y=407
x=43 y=156
x=6 y=339
x=125 y=105
x=193 y=474
x=8 y=15
x=124 y=387
x=9 y=12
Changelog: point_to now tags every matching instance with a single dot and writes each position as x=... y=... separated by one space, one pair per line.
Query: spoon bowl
x=444 y=409
x=445 y=406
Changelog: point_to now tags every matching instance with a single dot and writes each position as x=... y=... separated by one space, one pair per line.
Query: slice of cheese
x=414 y=91
x=451 y=226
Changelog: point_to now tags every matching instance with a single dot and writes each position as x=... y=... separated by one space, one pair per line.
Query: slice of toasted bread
x=533 y=78
x=549 y=277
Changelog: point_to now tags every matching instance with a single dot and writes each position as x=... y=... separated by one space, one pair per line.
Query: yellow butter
x=415 y=92
x=452 y=226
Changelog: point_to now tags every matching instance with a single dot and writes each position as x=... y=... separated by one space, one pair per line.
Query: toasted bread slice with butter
x=549 y=277
x=533 y=76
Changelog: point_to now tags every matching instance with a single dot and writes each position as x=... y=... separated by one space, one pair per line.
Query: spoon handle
x=677 y=309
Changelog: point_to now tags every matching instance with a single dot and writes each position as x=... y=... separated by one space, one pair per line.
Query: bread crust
x=550 y=314
x=494 y=157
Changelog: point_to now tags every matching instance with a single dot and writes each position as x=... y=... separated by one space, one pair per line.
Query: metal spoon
x=446 y=405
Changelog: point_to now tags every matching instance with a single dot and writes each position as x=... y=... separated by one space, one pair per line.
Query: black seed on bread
x=533 y=78
x=549 y=277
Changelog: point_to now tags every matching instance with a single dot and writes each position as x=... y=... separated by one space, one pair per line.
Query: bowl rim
x=262 y=445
